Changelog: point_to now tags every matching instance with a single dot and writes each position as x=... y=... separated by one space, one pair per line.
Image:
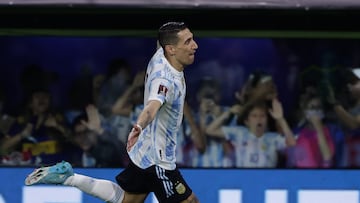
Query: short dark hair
x=167 y=34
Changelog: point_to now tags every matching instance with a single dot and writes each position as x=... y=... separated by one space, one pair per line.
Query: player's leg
x=170 y=186
x=103 y=189
x=106 y=190
x=62 y=174
x=191 y=199
x=135 y=182
x=134 y=198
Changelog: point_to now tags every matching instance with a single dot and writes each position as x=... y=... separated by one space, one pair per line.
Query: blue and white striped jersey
x=252 y=151
x=157 y=142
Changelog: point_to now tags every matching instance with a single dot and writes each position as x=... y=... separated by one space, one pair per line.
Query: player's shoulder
x=157 y=58
x=160 y=71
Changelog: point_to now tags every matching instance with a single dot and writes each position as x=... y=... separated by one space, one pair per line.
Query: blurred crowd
x=321 y=131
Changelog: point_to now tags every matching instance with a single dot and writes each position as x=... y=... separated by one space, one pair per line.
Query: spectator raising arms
x=99 y=147
x=253 y=145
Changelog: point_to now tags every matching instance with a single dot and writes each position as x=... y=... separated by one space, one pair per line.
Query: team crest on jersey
x=162 y=90
x=180 y=188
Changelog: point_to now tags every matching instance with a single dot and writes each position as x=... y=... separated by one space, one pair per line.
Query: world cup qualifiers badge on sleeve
x=162 y=90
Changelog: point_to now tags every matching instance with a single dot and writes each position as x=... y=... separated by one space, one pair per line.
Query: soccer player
x=152 y=141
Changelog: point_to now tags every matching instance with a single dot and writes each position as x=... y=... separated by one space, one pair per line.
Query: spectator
x=46 y=137
x=10 y=154
x=208 y=97
x=95 y=146
x=117 y=80
x=84 y=90
x=314 y=85
x=259 y=87
x=253 y=145
x=349 y=116
x=314 y=145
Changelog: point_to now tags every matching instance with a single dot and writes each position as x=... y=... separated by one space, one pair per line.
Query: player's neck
x=175 y=64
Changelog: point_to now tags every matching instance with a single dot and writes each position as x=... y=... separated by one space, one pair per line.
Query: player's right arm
x=149 y=112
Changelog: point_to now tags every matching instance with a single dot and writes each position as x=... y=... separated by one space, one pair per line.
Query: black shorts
x=168 y=185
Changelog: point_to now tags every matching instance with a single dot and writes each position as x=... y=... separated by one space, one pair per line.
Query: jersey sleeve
x=160 y=90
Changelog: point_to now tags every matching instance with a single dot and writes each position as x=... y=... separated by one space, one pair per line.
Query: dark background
x=71 y=39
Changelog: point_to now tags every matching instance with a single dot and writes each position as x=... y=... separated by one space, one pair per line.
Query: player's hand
x=133 y=137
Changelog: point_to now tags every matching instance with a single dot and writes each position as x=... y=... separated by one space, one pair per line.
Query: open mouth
x=260 y=127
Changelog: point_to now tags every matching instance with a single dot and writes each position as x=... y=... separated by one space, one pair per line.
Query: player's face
x=185 y=49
